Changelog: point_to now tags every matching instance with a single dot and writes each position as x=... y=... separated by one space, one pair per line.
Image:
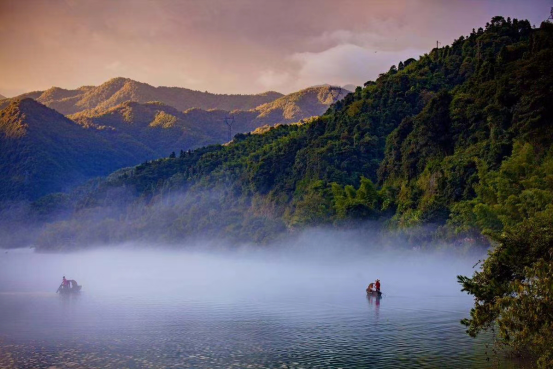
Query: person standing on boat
x=64 y=285
x=65 y=282
x=377 y=286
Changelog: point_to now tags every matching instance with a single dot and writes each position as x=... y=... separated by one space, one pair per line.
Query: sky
x=229 y=46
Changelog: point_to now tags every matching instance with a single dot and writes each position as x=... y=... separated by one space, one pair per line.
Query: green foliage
x=350 y=203
x=437 y=160
x=518 y=190
x=525 y=321
x=313 y=207
x=513 y=289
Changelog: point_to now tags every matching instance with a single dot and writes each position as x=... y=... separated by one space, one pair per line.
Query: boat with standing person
x=374 y=289
x=68 y=286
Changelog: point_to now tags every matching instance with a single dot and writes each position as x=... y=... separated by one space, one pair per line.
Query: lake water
x=160 y=309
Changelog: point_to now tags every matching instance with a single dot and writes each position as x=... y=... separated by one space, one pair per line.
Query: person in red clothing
x=64 y=285
x=377 y=286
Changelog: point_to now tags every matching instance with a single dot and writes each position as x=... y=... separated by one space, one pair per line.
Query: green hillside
x=458 y=141
x=118 y=90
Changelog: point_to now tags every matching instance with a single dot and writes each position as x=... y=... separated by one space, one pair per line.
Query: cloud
x=341 y=64
x=271 y=79
x=116 y=66
x=338 y=65
x=387 y=37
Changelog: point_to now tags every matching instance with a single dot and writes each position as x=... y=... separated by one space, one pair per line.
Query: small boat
x=374 y=293
x=72 y=288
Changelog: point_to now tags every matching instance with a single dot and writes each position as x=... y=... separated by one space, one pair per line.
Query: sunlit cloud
x=338 y=65
x=346 y=63
x=274 y=80
x=115 y=66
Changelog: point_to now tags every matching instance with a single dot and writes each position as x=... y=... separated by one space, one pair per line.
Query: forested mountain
x=125 y=135
x=426 y=134
x=41 y=151
x=162 y=127
x=460 y=139
x=296 y=106
x=197 y=127
x=118 y=90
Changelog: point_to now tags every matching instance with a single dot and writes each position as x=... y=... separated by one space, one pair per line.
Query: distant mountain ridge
x=118 y=90
x=206 y=127
x=309 y=102
x=162 y=127
x=43 y=151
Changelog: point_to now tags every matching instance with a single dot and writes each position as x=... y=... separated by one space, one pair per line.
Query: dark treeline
x=458 y=141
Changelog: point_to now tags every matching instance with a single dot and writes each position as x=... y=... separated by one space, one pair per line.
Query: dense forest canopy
x=459 y=140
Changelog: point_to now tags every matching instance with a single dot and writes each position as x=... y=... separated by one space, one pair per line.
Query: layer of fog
x=317 y=263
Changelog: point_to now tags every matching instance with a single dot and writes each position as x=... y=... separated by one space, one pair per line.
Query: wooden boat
x=73 y=287
x=70 y=290
x=374 y=293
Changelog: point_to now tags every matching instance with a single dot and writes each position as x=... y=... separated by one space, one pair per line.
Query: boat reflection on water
x=374 y=298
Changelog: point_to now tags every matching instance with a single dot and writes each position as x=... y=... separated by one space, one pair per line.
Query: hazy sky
x=228 y=46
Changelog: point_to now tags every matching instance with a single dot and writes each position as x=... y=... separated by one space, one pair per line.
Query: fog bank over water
x=317 y=260
x=210 y=305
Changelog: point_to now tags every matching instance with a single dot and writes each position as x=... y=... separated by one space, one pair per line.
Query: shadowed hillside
x=41 y=151
x=162 y=127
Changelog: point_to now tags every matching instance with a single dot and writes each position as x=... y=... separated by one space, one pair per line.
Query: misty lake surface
x=168 y=309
